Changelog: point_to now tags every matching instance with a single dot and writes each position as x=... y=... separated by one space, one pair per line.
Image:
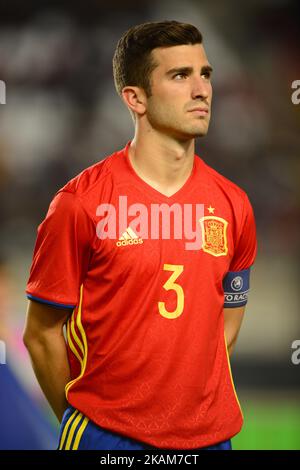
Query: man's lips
x=200 y=111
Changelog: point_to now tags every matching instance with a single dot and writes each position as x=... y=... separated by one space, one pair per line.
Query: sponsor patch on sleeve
x=236 y=288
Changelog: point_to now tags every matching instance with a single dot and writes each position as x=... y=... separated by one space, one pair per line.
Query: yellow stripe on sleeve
x=84 y=340
x=71 y=344
x=232 y=383
x=75 y=336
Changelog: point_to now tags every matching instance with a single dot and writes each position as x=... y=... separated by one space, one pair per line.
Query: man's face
x=180 y=102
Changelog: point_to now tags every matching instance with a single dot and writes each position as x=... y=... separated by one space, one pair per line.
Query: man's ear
x=135 y=98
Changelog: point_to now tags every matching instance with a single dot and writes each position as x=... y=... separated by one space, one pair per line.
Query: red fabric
x=164 y=381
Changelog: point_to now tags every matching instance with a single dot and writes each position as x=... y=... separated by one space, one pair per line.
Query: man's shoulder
x=92 y=177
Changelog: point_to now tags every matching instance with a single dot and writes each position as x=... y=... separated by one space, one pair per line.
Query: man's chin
x=200 y=132
x=192 y=133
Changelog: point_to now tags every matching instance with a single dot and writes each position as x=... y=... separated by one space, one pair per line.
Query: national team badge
x=214 y=235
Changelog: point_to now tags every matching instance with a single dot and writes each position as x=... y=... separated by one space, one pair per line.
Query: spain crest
x=214 y=235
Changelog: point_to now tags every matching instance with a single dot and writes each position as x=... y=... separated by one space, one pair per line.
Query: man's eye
x=180 y=76
x=207 y=75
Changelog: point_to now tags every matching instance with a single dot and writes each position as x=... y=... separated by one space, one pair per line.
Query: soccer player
x=150 y=319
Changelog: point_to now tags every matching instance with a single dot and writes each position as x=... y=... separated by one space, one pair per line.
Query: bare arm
x=44 y=339
x=233 y=318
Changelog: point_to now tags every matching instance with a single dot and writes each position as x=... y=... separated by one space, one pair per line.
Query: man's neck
x=161 y=161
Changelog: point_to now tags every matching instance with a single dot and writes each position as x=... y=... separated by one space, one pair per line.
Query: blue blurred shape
x=22 y=424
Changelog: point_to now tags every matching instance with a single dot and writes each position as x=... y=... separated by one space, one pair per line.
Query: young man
x=151 y=315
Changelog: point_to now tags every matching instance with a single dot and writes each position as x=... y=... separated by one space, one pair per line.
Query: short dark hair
x=132 y=61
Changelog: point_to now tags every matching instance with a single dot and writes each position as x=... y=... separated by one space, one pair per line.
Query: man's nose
x=201 y=88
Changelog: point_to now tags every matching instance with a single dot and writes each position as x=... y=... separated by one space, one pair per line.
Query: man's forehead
x=175 y=55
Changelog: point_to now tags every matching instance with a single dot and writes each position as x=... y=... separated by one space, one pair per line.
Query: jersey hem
x=204 y=443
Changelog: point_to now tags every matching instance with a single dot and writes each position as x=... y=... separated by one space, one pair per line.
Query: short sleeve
x=236 y=283
x=62 y=252
x=246 y=245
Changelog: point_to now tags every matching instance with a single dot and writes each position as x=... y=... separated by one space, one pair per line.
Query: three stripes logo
x=129 y=237
x=72 y=430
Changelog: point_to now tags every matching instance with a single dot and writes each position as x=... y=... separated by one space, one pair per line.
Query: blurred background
x=63 y=114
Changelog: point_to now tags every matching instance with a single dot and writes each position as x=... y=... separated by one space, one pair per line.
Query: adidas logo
x=129 y=238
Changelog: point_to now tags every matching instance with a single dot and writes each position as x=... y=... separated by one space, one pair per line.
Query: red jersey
x=145 y=338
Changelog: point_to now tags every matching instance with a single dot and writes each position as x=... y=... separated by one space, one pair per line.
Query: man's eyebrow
x=188 y=70
x=207 y=68
x=179 y=70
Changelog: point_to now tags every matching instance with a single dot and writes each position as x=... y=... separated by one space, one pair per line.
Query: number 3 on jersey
x=171 y=285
